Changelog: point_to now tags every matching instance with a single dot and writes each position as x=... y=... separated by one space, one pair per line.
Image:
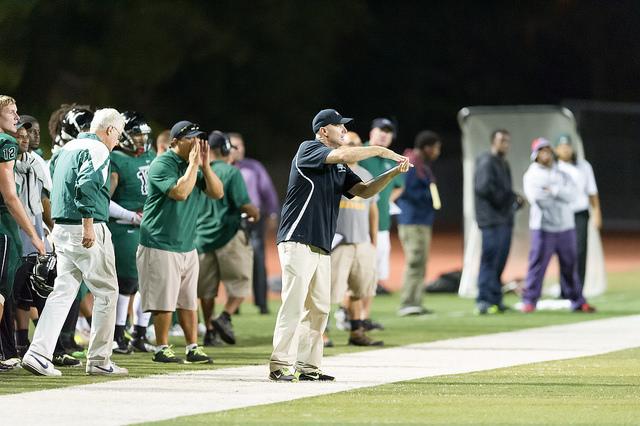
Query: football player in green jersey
x=129 y=168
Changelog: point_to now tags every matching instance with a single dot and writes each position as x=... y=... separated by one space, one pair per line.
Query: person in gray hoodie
x=550 y=192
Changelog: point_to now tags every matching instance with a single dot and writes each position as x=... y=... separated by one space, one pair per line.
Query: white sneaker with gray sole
x=106 y=370
x=39 y=365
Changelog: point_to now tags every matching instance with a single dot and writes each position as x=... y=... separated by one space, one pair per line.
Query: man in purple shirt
x=263 y=195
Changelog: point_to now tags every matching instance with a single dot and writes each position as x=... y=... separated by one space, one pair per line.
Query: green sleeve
x=163 y=175
x=8 y=151
x=115 y=167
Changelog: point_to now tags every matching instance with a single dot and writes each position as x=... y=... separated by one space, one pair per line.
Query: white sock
x=141 y=318
x=191 y=346
x=122 y=309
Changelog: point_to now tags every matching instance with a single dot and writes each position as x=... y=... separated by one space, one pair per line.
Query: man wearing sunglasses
x=167 y=260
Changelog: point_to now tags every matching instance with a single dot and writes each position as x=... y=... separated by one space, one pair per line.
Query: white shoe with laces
x=39 y=365
x=106 y=370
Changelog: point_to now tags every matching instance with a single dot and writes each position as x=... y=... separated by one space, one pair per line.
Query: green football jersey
x=8 y=152
x=133 y=179
x=376 y=166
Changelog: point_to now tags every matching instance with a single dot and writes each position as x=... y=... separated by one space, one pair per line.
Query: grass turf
x=453 y=318
x=582 y=391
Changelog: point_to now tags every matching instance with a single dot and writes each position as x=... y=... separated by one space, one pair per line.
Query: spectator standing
x=382 y=134
x=418 y=204
x=495 y=205
x=551 y=192
x=263 y=195
x=587 y=197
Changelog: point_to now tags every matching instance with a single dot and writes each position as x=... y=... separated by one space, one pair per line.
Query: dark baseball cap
x=383 y=124
x=24 y=125
x=217 y=139
x=186 y=129
x=326 y=117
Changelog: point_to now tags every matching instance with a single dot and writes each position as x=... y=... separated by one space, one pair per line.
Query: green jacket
x=80 y=175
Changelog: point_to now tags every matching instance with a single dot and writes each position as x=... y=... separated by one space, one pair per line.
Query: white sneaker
x=409 y=310
x=106 y=370
x=12 y=362
x=342 y=319
x=176 y=331
x=39 y=365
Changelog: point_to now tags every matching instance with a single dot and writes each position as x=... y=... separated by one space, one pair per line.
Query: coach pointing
x=318 y=178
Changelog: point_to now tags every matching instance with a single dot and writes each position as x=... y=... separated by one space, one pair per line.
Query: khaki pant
x=232 y=264
x=96 y=266
x=353 y=267
x=168 y=280
x=302 y=318
x=416 y=241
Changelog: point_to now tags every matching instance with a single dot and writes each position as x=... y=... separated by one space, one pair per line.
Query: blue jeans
x=496 y=242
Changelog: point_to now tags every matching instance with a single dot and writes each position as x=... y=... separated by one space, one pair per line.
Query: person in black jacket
x=495 y=204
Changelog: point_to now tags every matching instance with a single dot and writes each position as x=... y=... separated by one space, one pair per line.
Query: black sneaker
x=315 y=376
x=369 y=325
x=121 y=346
x=65 y=360
x=197 y=356
x=283 y=375
x=223 y=327
x=141 y=344
x=381 y=291
x=211 y=338
x=167 y=355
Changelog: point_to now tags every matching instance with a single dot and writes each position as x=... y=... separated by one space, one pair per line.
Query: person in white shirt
x=586 y=203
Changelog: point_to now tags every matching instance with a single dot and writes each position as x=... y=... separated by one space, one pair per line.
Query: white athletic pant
x=303 y=315
x=383 y=252
x=96 y=266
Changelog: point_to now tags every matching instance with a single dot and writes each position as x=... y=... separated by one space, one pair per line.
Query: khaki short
x=231 y=264
x=353 y=267
x=168 y=280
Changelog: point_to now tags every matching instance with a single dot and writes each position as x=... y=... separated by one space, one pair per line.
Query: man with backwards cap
x=550 y=192
x=167 y=260
x=317 y=180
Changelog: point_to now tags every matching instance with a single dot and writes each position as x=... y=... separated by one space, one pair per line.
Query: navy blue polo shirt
x=310 y=209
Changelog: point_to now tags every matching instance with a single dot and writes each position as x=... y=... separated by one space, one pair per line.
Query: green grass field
x=594 y=390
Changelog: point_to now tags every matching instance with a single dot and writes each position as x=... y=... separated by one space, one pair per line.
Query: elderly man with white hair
x=80 y=209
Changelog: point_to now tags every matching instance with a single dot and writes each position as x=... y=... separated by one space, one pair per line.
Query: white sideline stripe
x=172 y=395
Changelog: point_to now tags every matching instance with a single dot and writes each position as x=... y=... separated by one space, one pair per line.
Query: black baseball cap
x=24 y=124
x=186 y=129
x=326 y=117
x=383 y=124
x=217 y=139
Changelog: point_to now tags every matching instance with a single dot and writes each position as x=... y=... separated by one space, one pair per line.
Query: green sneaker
x=197 y=356
x=167 y=355
x=283 y=375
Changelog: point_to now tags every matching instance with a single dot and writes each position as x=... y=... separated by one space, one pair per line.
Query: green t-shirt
x=219 y=219
x=376 y=166
x=8 y=152
x=133 y=175
x=168 y=224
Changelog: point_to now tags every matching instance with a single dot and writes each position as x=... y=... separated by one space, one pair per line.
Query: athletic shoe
x=106 y=370
x=211 y=338
x=176 y=331
x=314 y=376
x=65 y=360
x=5 y=368
x=410 y=310
x=167 y=355
x=12 y=362
x=326 y=341
x=528 y=308
x=223 y=327
x=141 y=344
x=202 y=329
x=197 y=356
x=585 y=308
x=264 y=310
x=122 y=346
x=360 y=338
x=369 y=325
x=39 y=365
x=283 y=375
x=483 y=308
x=342 y=319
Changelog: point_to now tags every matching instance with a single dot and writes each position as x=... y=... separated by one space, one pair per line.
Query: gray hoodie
x=550 y=192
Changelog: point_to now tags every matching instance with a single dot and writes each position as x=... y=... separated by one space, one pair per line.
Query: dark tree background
x=264 y=68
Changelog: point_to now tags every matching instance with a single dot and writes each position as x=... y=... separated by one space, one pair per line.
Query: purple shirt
x=259 y=186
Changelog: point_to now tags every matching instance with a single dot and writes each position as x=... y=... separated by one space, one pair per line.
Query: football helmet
x=42 y=273
x=76 y=120
x=136 y=132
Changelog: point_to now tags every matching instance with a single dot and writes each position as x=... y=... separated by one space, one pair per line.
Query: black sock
x=355 y=324
x=226 y=315
x=140 y=331
x=22 y=337
x=119 y=332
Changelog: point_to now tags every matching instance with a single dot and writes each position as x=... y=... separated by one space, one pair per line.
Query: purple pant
x=543 y=246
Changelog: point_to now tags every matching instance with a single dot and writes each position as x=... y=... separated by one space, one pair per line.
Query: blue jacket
x=415 y=202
